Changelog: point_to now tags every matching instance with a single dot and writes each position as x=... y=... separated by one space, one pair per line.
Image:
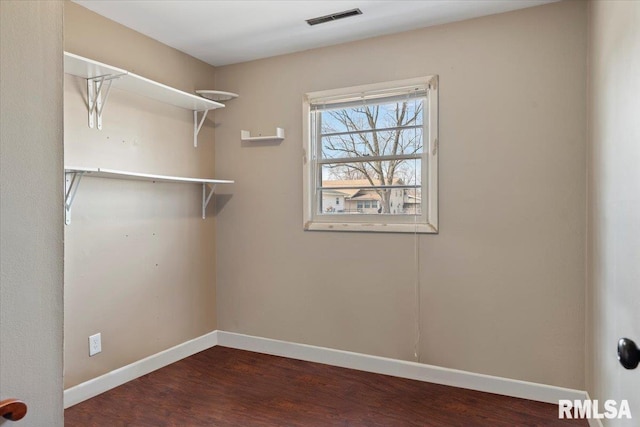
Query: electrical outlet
x=95 y=344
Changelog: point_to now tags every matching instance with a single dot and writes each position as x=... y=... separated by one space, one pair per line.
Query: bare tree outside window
x=391 y=135
x=371 y=157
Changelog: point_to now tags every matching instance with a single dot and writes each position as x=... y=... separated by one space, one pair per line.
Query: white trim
x=431 y=157
x=359 y=91
x=427 y=221
x=98 y=385
x=369 y=227
x=400 y=368
x=593 y=422
x=345 y=359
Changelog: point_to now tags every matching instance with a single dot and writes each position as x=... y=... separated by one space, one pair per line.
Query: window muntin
x=377 y=149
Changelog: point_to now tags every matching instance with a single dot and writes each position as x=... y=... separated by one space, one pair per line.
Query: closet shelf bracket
x=74 y=174
x=97 y=93
x=206 y=197
x=197 y=125
x=72 y=182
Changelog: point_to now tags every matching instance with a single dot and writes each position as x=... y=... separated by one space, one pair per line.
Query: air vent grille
x=334 y=16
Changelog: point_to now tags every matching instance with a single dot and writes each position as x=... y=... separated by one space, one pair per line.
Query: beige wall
x=31 y=218
x=90 y=35
x=139 y=257
x=614 y=200
x=502 y=285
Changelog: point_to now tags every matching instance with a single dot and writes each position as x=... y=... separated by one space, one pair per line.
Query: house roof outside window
x=361 y=193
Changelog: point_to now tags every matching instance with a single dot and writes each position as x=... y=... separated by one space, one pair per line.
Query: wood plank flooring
x=228 y=387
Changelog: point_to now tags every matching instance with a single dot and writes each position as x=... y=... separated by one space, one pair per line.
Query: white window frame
x=427 y=222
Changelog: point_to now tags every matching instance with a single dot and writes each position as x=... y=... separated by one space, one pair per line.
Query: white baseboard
x=327 y=356
x=401 y=368
x=593 y=422
x=94 y=387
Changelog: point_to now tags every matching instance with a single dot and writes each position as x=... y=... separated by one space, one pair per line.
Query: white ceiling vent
x=334 y=17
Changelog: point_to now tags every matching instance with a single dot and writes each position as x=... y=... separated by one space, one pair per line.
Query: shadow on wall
x=220 y=201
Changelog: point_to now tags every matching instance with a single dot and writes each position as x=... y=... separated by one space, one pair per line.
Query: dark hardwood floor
x=227 y=387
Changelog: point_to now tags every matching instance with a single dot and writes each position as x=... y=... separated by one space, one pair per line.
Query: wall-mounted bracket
x=72 y=182
x=206 y=197
x=98 y=89
x=99 y=77
x=197 y=125
x=245 y=135
x=74 y=174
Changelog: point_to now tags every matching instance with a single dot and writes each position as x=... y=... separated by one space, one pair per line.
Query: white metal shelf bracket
x=206 y=198
x=98 y=89
x=73 y=176
x=72 y=182
x=197 y=125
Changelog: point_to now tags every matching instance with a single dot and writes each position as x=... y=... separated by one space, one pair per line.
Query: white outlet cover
x=95 y=344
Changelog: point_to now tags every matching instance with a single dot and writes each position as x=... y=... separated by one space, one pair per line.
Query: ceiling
x=225 y=32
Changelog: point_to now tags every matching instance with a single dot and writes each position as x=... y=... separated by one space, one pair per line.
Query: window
x=337 y=200
x=376 y=146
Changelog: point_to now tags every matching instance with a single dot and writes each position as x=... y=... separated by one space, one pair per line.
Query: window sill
x=374 y=228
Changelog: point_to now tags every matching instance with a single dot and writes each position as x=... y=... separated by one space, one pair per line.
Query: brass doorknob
x=13 y=409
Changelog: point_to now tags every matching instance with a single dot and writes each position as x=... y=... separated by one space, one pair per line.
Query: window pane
x=351 y=182
x=364 y=174
x=368 y=164
x=372 y=202
x=365 y=130
x=378 y=143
